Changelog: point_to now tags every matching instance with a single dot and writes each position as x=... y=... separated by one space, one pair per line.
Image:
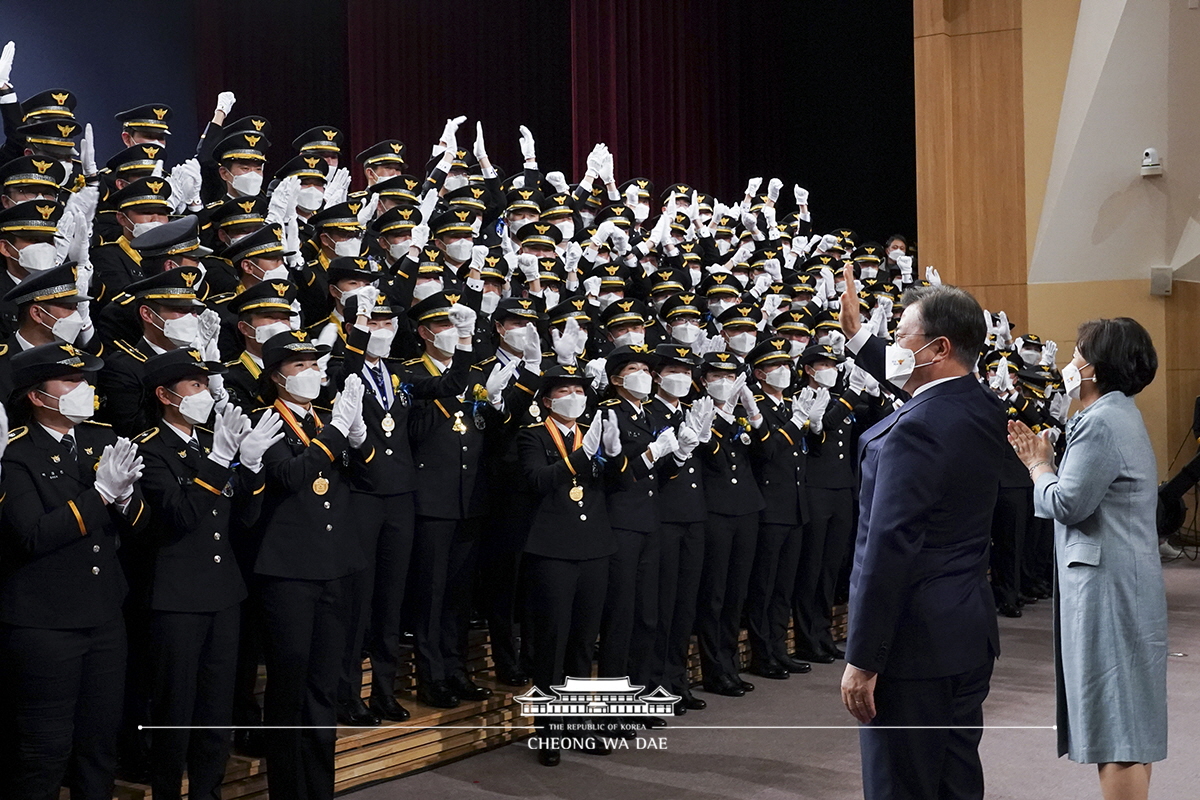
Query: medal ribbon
x=294 y=423
x=557 y=437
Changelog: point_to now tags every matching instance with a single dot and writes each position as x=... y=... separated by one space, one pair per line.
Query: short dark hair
x=953 y=313
x=1121 y=352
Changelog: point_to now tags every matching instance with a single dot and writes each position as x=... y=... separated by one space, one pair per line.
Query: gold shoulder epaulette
x=98 y=424
x=130 y=350
x=146 y=436
x=412 y=362
x=202 y=428
x=17 y=433
x=3 y=349
x=611 y=402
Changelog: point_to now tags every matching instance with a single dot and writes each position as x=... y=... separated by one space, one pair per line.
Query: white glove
x=591 y=286
x=746 y=396
x=367 y=296
x=479 y=148
x=266 y=432
x=700 y=417
x=816 y=418
x=569 y=342
x=858 y=379
x=752 y=186
x=1051 y=435
x=65 y=235
x=1049 y=353
x=449 y=137
x=663 y=444
x=592 y=439
x=498 y=380
x=6 y=62
x=558 y=181
x=528 y=147
x=773 y=187
x=337 y=186
x=801 y=195
x=603 y=231
x=87 y=152
x=347 y=408
x=229 y=429
x=620 y=240
x=208 y=326
x=1060 y=405
x=185 y=184
x=687 y=440
x=838 y=342
x=358 y=431
x=802 y=405
x=595 y=371
x=905 y=263
x=739 y=383
x=225 y=101
x=120 y=466
x=611 y=435
x=1003 y=331
x=463 y=319
x=367 y=212
x=3 y=421
x=291 y=243
x=595 y=159
x=528 y=265
x=531 y=351
x=420 y=237
x=933 y=276
x=571 y=257
x=774 y=269
x=282 y=206
x=606 y=168
x=631 y=195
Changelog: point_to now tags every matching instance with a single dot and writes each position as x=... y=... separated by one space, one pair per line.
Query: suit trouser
x=926 y=764
x=444 y=553
x=377 y=592
x=680 y=565
x=1038 y=556
x=729 y=544
x=630 y=618
x=246 y=710
x=566 y=601
x=501 y=546
x=827 y=536
x=194 y=662
x=66 y=691
x=772 y=585
x=305 y=623
x=1014 y=507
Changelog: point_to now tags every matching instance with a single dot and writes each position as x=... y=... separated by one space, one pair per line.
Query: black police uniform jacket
x=779 y=454
x=563 y=528
x=194 y=503
x=681 y=497
x=632 y=485
x=59 y=567
x=241 y=382
x=730 y=485
x=120 y=388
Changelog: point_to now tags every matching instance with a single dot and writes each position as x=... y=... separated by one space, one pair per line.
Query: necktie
x=309 y=425
x=194 y=445
x=380 y=383
x=68 y=441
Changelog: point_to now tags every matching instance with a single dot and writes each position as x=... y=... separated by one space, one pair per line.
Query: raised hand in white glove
x=837 y=340
x=463 y=320
x=230 y=427
x=291 y=244
x=752 y=186
x=367 y=212
x=858 y=379
x=225 y=101
x=449 y=137
x=1049 y=353
x=347 y=408
x=801 y=195
x=528 y=146
x=337 y=187
x=591 y=286
x=1060 y=406
x=905 y=263
x=595 y=159
x=207 y=328
x=816 y=419
x=282 y=206
x=1003 y=330
x=528 y=265
x=595 y=371
x=498 y=380
x=933 y=276
x=593 y=438
x=120 y=466
x=479 y=149
x=606 y=168
x=746 y=397
x=631 y=196
x=420 y=236
x=802 y=405
x=87 y=152
x=6 y=62
x=531 y=350
x=569 y=343
x=687 y=440
x=664 y=443
x=266 y=432
x=620 y=240
x=558 y=181
x=571 y=257
x=611 y=435
x=773 y=187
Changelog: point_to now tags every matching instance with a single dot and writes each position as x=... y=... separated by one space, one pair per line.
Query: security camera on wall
x=1151 y=163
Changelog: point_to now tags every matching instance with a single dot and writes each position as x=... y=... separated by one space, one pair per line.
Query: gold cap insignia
x=361 y=263
x=579 y=303
x=723 y=356
x=410 y=183
x=462 y=215
x=625 y=305
x=329 y=135
x=570 y=369
x=280 y=288
x=151 y=150
x=354 y=207
x=45 y=211
x=524 y=303
x=476 y=192
x=252 y=139
x=195 y=355
x=247 y=206
x=541 y=228
x=453 y=298
x=300 y=335
x=397 y=147
x=60 y=98
x=258 y=124
x=278 y=233
x=744 y=311
x=66 y=130
x=155 y=186
x=491 y=261
x=159 y=113
x=682 y=351
x=404 y=212
x=312 y=162
x=642 y=184
x=640 y=348
x=41 y=166
x=525 y=194
x=189 y=278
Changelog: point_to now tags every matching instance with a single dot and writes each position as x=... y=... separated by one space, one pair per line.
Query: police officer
x=258 y=313
x=27 y=232
x=71 y=494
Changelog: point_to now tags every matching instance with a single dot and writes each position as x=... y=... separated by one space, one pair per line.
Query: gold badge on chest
x=320 y=485
x=388 y=423
x=458 y=426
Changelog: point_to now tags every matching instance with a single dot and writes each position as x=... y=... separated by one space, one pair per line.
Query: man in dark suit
x=922 y=627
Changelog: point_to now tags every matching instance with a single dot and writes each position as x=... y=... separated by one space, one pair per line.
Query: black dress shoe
x=385 y=706
x=725 y=685
x=354 y=712
x=437 y=694
x=691 y=702
x=795 y=665
x=467 y=689
x=813 y=656
x=512 y=677
x=834 y=651
x=1026 y=599
x=1008 y=610
x=747 y=686
x=549 y=757
x=651 y=723
x=680 y=709
x=249 y=742
x=597 y=747
x=773 y=672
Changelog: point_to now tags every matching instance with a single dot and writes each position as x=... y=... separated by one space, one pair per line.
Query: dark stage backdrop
x=700 y=91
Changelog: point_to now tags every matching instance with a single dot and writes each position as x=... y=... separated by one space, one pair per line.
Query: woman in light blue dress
x=1110 y=605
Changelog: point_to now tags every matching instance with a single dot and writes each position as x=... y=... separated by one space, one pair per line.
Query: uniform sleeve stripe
x=78 y=517
x=319 y=444
x=204 y=485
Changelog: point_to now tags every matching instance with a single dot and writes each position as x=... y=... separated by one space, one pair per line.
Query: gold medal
x=458 y=426
x=534 y=411
x=320 y=485
x=576 y=493
x=388 y=424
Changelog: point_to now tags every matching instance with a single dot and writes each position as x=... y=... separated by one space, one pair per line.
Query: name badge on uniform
x=744 y=438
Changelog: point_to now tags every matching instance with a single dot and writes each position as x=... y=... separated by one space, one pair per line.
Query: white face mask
x=38 y=257
x=180 y=331
x=630 y=338
x=900 y=362
x=869 y=273
x=839 y=286
x=348 y=248
x=234 y=239
x=588 y=218
x=248 y=184
x=551 y=297
x=304 y=385
x=719 y=307
x=720 y=390
x=742 y=343
x=517 y=337
x=894 y=255
x=310 y=198
x=724 y=246
x=488 y=302
x=425 y=289
x=456 y=182
x=606 y=299
x=78 y=404
x=460 y=249
x=1073 y=380
x=677 y=384
x=279 y=273
x=825 y=377
x=195 y=408
x=779 y=378
x=1031 y=356
x=795 y=348
x=641 y=212
x=685 y=332
x=380 y=343
x=638 y=384
x=264 y=332
x=65 y=329
x=446 y=340
x=398 y=250
x=569 y=406
x=142 y=227
x=568 y=229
